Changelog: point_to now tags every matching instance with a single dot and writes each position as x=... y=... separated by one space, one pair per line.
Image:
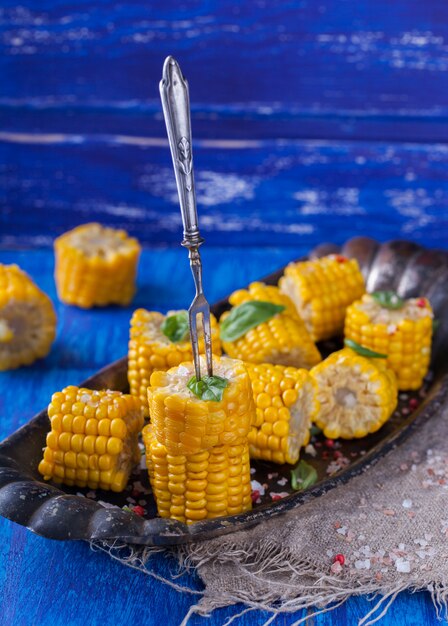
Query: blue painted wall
x=310 y=118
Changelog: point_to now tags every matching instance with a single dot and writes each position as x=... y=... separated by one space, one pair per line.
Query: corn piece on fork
x=176 y=111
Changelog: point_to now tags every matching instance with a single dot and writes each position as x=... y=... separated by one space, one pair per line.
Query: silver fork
x=176 y=111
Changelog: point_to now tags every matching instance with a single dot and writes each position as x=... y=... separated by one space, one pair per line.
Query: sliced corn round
x=150 y=350
x=282 y=340
x=27 y=319
x=286 y=403
x=403 y=334
x=357 y=395
x=96 y=266
x=321 y=291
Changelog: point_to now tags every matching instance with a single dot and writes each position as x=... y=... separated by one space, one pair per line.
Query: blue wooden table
x=313 y=120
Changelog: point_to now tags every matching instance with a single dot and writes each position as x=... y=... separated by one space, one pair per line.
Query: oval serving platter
x=72 y=513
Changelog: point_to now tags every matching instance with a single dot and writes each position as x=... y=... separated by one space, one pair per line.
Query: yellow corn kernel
x=27 y=319
x=357 y=395
x=77 y=453
x=191 y=499
x=282 y=340
x=322 y=290
x=403 y=334
x=150 y=350
x=96 y=266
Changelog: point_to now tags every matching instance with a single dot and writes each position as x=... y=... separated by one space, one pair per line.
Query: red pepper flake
x=413 y=403
x=325 y=454
x=337 y=525
x=275 y=497
x=329 y=443
x=421 y=302
x=339 y=558
x=337 y=454
x=255 y=495
x=341 y=259
x=139 y=510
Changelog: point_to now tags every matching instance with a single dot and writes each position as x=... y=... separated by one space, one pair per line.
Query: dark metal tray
x=72 y=513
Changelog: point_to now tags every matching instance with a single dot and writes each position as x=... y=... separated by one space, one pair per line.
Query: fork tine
x=207 y=339
x=192 y=314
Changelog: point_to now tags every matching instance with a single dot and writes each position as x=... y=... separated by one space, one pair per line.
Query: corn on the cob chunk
x=357 y=395
x=151 y=350
x=96 y=266
x=208 y=484
x=321 y=291
x=185 y=424
x=93 y=440
x=282 y=340
x=403 y=334
x=286 y=404
x=27 y=319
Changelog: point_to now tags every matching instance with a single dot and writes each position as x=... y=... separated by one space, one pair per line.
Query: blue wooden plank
x=47 y=583
x=289 y=193
x=342 y=65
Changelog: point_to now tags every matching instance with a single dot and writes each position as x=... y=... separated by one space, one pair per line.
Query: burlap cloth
x=390 y=524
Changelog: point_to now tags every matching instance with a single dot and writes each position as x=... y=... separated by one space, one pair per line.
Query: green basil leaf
x=208 y=388
x=303 y=476
x=370 y=354
x=246 y=316
x=388 y=299
x=176 y=327
x=315 y=430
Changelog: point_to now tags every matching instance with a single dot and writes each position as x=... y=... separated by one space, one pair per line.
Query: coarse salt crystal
x=256 y=486
x=362 y=564
x=311 y=450
x=406 y=504
x=342 y=530
x=282 y=481
x=336 y=568
x=403 y=566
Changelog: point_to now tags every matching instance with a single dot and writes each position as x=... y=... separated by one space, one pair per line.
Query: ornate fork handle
x=176 y=111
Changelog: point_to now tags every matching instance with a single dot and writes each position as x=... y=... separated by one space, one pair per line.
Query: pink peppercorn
x=329 y=443
x=413 y=403
x=340 y=258
x=275 y=497
x=139 y=510
x=339 y=558
x=421 y=302
x=255 y=495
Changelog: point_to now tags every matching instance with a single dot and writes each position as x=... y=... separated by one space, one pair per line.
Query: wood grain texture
x=313 y=69
x=289 y=193
x=46 y=583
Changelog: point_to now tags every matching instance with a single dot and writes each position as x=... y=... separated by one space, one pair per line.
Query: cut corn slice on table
x=96 y=266
x=27 y=319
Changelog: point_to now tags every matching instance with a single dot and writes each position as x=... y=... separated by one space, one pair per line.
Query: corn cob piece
x=321 y=291
x=286 y=403
x=207 y=484
x=27 y=319
x=96 y=266
x=93 y=440
x=151 y=350
x=187 y=425
x=404 y=334
x=357 y=395
x=282 y=340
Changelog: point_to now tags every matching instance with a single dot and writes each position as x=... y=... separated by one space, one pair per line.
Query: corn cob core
x=403 y=334
x=187 y=425
x=281 y=340
x=286 y=403
x=151 y=350
x=357 y=395
x=96 y=266
x=207 y=484
x=27 y=319
x=93 y=440
x=321 y=291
